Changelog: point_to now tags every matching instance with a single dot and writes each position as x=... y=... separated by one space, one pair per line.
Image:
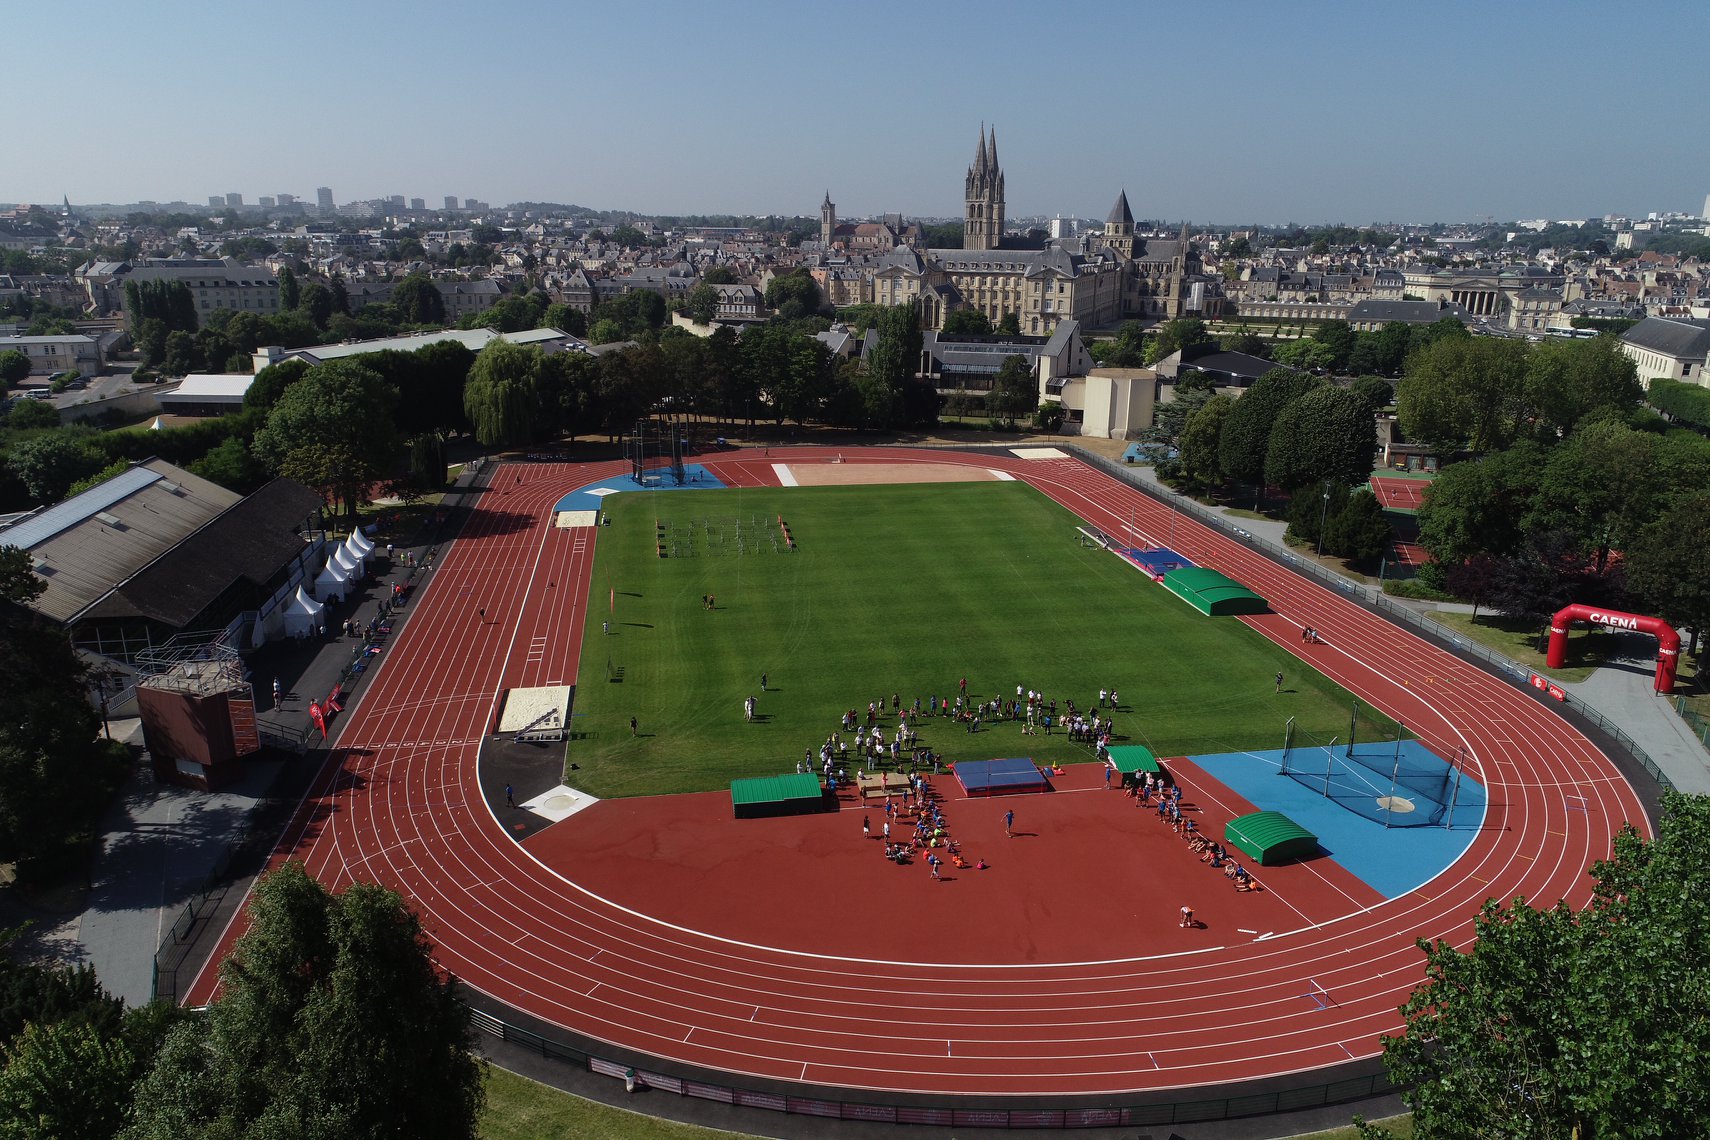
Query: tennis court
x=1398 y=494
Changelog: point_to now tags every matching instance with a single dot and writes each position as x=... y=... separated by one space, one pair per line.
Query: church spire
x=980 y=156
x=995 y=168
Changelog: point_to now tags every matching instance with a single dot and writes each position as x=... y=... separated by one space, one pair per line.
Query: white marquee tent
x=303 y=615
x=332 y=581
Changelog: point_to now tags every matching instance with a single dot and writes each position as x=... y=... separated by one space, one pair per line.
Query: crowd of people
x=1165 y=798
x=920 y=808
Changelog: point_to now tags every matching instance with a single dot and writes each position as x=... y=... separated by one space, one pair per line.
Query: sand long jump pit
x=835 y=473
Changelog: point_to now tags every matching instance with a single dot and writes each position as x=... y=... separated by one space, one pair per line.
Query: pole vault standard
x=1668 y=641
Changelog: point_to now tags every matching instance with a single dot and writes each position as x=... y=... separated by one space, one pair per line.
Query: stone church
x=1098 y=280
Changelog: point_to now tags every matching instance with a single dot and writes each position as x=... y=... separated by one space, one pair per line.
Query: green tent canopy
x=1270 y=837
x=1212 y=592
x=1130 y=758
x=776 y=795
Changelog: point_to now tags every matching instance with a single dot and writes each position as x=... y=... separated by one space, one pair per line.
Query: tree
x=270 y=383
x=1585 y=1022
x=419 y=300
x=1126 y=350
x=27 y=415
x=1247 y=432
x=1306 y=354
x=1338 y=338
x=332 y=1022
x=1014 y=391
x=702 y=303
x=289 y=292
x=793 y=295
x=1569 y=380
x=334 y=430
x=1464 y=392
x=891 y=366
x=1668 y=562
x=181 y=355
x=65 y=1079
x=1601 y=485
x=1011 y=324
x=317 y=304
x=1183 y=332
x=719 y=275
x=1478 y=507
x=1199 y=440
x=1375 y=391
x=967 y=322
x=1360 y=531
x=50 y=463
x=18 y=581
x=503 y=394
x=1326 y=434
x=14 y=368
x=232 y=466
x=1250 y=344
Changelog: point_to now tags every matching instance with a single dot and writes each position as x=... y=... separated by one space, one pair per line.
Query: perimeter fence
x=829 y=1105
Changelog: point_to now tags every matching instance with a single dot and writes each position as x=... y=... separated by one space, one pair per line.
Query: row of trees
x=1295 y=431
x=1575 y=491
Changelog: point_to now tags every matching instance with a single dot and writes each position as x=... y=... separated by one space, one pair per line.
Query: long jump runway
x=399 y=804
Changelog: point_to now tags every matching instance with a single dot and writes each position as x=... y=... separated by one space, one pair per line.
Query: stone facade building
x=1097 y=281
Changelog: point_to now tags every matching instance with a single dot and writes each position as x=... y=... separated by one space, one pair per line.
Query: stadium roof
x=86 y=546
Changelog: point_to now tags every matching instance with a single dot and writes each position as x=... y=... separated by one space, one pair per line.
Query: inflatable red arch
x=1668 y=641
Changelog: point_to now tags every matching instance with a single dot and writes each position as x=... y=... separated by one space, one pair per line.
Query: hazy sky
x=1221 y=112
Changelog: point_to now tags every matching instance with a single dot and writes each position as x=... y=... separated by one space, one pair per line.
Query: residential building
x=324 y=200
x=50 y=355
x=214 y=284
x=1669 y=348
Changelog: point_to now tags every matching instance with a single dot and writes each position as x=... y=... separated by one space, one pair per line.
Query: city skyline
x=1323 y=112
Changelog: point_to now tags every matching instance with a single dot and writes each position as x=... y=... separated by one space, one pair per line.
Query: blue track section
x=587 y=498
x=1391 y=860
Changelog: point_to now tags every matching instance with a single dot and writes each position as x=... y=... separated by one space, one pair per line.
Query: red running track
x=400 y=804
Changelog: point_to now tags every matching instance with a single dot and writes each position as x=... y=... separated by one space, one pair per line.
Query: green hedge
x=1685 y=402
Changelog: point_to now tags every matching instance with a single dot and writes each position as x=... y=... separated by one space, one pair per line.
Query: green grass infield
x=895 y=590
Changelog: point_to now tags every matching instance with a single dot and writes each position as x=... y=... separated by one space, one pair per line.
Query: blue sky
x=1221 y=112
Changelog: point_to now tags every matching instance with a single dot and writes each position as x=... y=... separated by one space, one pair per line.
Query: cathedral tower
x=827 y=221
x=982 y=223
x=1119 y=227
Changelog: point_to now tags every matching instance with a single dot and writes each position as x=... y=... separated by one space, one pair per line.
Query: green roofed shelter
x=1213 y=592
x=794 y=794
x=1270 y=837
x=1130 y=758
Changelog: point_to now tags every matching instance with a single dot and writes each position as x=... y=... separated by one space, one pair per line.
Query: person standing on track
x=1009 y=824
x=1187 y=918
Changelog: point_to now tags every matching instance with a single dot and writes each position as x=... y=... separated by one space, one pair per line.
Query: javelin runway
x=399 y=804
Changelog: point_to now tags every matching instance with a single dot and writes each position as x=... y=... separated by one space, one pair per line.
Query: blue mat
x=588 y=497
x=1155 y=562
x=999 y=777
x=1392 y=861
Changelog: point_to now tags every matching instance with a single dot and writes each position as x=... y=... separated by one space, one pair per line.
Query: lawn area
x=521 y=1109
x=1518 y=638
x=895 y=590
